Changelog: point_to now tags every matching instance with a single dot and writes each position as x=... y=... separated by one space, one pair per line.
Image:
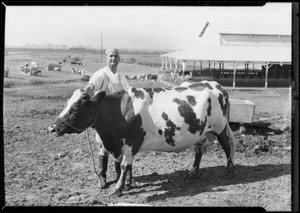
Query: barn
x=259 y=57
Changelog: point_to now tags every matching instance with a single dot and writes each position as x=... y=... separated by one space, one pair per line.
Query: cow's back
x=176 y=119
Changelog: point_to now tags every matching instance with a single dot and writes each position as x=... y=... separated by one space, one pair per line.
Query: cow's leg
x=128 y=175
x=118 y=170
x=129 y=183
x=226 y=139
x=125 y=166
x=128 y=180
x=198 y=155
x=200 y=148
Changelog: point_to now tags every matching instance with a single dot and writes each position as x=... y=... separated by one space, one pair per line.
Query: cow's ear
x=98 y=97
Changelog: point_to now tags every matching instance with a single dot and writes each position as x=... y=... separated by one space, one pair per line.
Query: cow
x=57 y=69
x=180 y=72
x=76 y=62
x=78 y=71
x=131 y=77
x=54 y=66
x=141 y=77
x=152 y=119
x=152 y=77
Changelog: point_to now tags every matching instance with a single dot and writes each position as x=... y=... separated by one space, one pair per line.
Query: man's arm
x=89 y=89
x=96 y=83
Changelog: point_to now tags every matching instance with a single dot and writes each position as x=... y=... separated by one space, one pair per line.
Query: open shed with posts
x=240 y=59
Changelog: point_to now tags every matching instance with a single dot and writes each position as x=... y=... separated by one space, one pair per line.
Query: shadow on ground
x=212 y=179
x=257 y=128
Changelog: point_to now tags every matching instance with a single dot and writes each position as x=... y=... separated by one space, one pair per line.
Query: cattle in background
x=153 y=119
x=152 y=77
x=54 y=67
x=141 y=77
x=180 y=72
x=77 y=71
x=76 y=62
x=131 y=77
x=64 y=59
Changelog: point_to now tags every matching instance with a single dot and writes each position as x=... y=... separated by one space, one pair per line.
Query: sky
x=135 y=27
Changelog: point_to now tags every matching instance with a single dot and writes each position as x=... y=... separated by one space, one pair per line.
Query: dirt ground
x=43 y=170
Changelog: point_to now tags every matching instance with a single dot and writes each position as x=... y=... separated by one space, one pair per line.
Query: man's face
x=112 y=59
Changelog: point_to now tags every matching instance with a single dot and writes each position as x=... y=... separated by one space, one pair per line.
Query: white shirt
x=105 y=80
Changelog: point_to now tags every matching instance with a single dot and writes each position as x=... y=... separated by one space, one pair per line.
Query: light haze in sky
x=150 y=27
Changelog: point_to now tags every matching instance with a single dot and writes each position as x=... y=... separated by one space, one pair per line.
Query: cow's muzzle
x=51 y=130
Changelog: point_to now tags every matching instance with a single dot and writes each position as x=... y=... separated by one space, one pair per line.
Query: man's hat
x=111 y=50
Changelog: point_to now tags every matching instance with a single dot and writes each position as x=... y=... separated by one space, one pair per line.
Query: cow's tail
x=229 y=132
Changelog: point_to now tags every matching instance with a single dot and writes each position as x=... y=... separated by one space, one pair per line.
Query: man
x=109 y=80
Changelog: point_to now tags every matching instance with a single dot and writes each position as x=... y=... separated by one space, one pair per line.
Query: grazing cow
x=152 y=119
x=141 y=77
x=152 y=77
x=76 y=62
x=131 y=77
x=54 y=66
x=57 y=69
x=78 y=71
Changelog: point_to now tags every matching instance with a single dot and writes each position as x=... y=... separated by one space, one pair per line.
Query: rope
x=93 y=161
x=87 y=134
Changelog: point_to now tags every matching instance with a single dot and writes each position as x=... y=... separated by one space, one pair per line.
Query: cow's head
x=79 y=113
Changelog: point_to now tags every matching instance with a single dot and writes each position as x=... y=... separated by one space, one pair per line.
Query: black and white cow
x=154 y=119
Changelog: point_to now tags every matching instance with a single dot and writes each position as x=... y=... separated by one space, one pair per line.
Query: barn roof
x=257 y=29
x=234 y=53
x=260 y=28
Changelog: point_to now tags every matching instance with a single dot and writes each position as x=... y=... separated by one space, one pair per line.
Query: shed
x=233 y=55
x=250 y=46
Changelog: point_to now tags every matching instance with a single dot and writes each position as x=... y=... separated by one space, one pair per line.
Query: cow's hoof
x=116 y=193
x=104 y=184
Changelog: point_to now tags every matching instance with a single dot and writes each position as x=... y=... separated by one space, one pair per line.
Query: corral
x=41 y=170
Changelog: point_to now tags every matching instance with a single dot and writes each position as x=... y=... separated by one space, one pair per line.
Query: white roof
x=258 y=30
x=234 y=53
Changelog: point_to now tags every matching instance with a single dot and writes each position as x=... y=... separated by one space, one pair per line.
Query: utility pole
x=101 y=47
